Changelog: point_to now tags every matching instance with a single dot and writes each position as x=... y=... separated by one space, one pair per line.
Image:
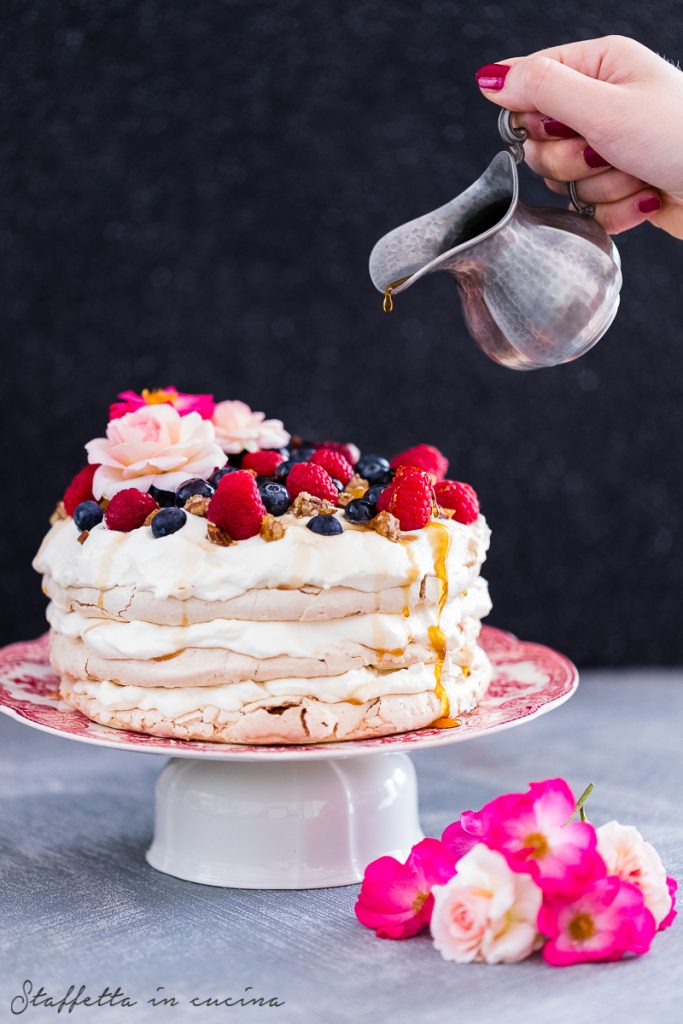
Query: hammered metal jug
x=539 y=286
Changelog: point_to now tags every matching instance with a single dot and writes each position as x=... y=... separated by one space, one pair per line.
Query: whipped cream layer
x=186 y=564
x=356 y=686
x=271 y=639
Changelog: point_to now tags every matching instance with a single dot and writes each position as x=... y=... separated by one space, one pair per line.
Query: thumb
x=540 y=83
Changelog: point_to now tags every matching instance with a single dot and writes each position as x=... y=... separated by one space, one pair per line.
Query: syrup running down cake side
x=211 y=578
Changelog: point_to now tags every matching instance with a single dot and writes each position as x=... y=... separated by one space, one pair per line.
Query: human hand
x=606 y=113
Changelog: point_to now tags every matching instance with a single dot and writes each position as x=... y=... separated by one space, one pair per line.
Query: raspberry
x=236 y=507
x=128 y=509
x=306 y=476
x=335 y=464
x=80 y=489
x=350 y=451
x=409 y=497
x=458 y=496
x=263 y=463
x=424 y=456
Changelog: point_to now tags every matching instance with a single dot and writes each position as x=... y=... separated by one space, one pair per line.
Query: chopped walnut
x=344 y=498
x=218 y=536
x=386 y=525
x=59 y=513
x=197 y=505
x=272 y=528
x=82 y=537
x=306 y=504
x=150 y=517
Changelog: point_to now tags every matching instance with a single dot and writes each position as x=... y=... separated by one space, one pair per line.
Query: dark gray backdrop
x=189 y=195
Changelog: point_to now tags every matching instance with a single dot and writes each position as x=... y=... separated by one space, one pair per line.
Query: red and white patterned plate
x=528 y=681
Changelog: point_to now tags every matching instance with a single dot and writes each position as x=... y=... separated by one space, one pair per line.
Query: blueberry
x=325 y=525
x=301 y=454
x=359 y=511
x=165 y=499
x=372 y=468
x=219 y=474
x=190 y=487
x=87 y=515
x=337 y=483
x=169 y=520
x=372 y=494
x=282 y=471
x=275 y=497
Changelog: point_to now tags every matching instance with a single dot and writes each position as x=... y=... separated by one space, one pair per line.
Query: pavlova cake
x=212 y=578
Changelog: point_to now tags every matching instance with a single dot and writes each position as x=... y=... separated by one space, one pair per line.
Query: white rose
x=634 y=860
x=486 y=911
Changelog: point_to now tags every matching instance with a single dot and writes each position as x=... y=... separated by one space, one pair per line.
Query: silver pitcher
x=539 y=286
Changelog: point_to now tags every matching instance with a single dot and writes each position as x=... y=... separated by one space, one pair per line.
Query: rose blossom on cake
x=130 y=401
x=632 y=859
x=239 y=428
x=486 y=912
x=155 y=445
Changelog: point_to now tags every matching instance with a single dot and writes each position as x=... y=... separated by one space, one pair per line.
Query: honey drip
x=388 y=300
x=441 y=542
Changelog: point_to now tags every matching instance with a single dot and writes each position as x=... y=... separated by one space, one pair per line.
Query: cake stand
x=289 y=817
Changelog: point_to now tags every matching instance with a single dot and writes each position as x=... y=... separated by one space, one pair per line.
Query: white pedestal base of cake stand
x=287 y=825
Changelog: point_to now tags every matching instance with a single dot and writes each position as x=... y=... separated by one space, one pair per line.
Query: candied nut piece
x=59 y=513
x=344 y=498
x=197 y=505
x=82 y=537
x=306 y=504
x=386 y=525
x=150 y=517
x=271 y=528
x=218 y=536
x=356 y=487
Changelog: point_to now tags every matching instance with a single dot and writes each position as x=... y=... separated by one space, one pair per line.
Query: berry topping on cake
x=128 y=509
x=263 y=463
x=218 y=475
x=409 y=497
x=87 y=515
x=167 y=521
x=80 y=489
x=275 y=497
x=374 y=469
x=424 y=456
x=350 y=451
x=334 y=462
x=163 y=498
x=325 y=525
x=460 y=497
x=236 y=507
x=373 y=492
x=307 y=476
x=359 y=511
x=190 y=488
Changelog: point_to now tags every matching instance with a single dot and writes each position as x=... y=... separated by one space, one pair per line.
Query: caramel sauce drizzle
x=388 y=300
x=441 y=542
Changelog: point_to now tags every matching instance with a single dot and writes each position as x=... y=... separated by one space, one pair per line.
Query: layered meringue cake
x=211 y=578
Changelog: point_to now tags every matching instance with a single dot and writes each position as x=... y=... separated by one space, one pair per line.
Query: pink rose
x=605 y=922
x=534 y=833
x=238 y=428
x=486 y=912
x=130 y=401
x=631 y=858
x=395 y=899
x=154 y=445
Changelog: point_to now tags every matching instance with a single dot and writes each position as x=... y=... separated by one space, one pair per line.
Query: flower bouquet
x=526 y=872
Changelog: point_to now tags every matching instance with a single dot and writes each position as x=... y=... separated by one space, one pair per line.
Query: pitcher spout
x=434 y=241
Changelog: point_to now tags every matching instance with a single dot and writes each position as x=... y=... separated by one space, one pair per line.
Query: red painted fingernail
x=594 y=159
x=492 y=76
x=649 y=204
x=557 y=129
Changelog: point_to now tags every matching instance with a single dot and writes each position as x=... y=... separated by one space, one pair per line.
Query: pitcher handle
x=514 y=139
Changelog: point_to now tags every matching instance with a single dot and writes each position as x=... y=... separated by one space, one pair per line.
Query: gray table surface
x=79 y=904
